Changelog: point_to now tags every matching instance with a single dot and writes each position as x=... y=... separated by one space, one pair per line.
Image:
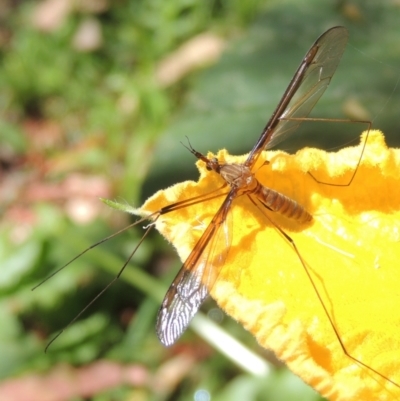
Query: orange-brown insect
x=197 y=275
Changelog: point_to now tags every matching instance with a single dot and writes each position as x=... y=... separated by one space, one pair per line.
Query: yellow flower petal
x=351 y=250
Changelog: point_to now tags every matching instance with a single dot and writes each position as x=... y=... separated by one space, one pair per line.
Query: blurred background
x=95 y=98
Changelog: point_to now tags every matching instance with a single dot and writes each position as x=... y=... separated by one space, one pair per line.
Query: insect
x=198 y=273
x=196 y=277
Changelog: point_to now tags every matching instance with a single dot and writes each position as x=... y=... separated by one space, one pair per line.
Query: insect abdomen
x=282 y=204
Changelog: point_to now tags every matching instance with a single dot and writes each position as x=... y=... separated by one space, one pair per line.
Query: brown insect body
x=239 y=176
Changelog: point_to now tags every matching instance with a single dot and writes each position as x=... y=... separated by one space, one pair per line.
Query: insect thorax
x=238 y=176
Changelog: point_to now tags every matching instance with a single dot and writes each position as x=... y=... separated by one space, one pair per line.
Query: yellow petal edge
x=351 y=249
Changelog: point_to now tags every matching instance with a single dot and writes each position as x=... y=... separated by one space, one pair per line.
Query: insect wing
x=196 y=277
x=307 y=86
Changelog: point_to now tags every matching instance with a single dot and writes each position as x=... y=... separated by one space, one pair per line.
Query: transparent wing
x=196 y=277
x=307 y=86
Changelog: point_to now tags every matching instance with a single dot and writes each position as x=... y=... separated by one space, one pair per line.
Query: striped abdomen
x=282 y=204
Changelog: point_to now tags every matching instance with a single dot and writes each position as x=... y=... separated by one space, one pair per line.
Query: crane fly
x=199 y=272
x=196 y=277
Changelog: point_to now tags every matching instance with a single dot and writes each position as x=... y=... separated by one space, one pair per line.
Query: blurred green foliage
x=100 y=112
